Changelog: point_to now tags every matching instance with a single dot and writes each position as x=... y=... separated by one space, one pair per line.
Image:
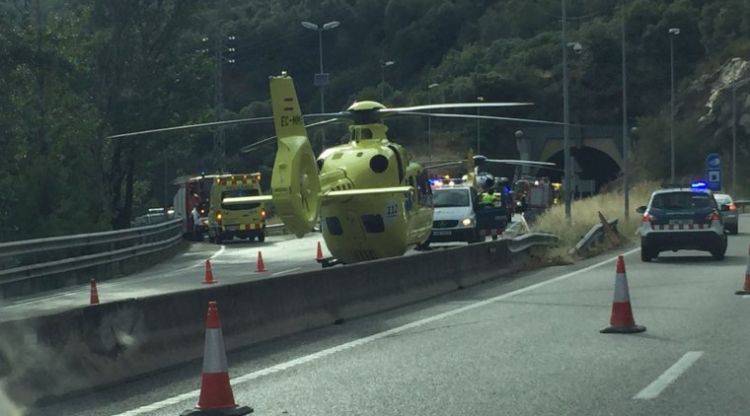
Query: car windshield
x=682 y=200
x=450 y=198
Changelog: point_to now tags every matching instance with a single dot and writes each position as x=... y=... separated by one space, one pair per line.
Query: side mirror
x=724 y=207
x=641 y=209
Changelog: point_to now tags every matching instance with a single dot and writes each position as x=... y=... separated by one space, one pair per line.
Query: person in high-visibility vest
x=487 y=198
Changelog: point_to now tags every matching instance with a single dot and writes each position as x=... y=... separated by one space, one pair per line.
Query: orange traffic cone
x=746 y=289
x=216 y=396
x=319 y=253
x=209 y=275
x=260 y=267
x=94 y=298
x=622 y=321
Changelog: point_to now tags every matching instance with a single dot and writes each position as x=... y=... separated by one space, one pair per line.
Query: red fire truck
x=194 y=193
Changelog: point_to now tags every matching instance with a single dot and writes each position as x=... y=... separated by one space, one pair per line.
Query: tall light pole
x=321 y=78
x=625 y=137
x=480 y=99
x=429 y=119
x=673 y=32
x=735 y=85
x=566 y=119
x=383 y=66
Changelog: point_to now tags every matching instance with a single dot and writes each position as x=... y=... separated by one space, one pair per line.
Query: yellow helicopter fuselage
x=367 y=226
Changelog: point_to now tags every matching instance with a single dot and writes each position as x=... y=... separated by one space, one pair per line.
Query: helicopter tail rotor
x=294 y=184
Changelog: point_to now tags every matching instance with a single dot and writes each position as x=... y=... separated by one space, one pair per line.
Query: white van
x=454 y=218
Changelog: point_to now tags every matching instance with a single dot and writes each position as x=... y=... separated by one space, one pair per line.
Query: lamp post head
x=480 y=98
x=388 y=63
x=674 y=31
x=331 y=25
x=308 y=25
x=433 y=85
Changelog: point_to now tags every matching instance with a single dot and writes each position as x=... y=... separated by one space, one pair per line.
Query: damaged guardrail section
x=31 y=266
x=107 y=343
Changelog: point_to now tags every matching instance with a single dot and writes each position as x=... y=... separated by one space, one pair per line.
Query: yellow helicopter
x=372 y=199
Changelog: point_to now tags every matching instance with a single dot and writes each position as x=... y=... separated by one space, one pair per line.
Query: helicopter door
x=399 y=163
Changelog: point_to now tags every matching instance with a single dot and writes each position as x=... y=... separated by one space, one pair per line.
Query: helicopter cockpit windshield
x=361 y=133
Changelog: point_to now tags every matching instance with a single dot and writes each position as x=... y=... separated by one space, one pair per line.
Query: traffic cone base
x=623 y=329
x=237 y=411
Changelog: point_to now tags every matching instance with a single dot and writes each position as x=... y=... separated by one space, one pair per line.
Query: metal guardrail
x=32 y=259
x=595 y=234
x=742 y=203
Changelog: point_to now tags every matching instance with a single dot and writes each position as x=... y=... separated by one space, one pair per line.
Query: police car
x=682 y=218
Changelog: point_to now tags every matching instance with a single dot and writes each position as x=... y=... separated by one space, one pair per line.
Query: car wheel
x=718 y=253
x=261 y=237
x=646 y=255
x=211 y=239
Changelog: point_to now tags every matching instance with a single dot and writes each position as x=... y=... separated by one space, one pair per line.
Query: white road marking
x=286 y=271
x=745 y=296
x=653 y=390
x=362 y=341
x=219 y=252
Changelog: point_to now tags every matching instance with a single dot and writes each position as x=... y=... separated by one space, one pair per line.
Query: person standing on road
x=196 y=217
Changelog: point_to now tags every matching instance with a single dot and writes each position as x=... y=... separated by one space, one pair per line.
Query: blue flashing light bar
x=699 y=185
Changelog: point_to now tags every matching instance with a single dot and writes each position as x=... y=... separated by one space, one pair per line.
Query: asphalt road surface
x=528 y=346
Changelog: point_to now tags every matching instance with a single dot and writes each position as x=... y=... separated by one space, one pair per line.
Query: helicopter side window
x=366 y=134
x=333 y=225
x=373 y=223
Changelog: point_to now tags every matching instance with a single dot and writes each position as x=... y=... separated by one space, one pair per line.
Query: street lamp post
x=321 y=79
x=625 y=137
x=383 y=66
x=429 y=119
x=566 y=119
x=673 y=32
x=480 y=99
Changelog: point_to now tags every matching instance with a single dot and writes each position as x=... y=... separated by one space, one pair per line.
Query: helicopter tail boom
x=368 y=191
x=295 y=185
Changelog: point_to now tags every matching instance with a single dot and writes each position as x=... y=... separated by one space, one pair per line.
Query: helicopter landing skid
x=328 y=262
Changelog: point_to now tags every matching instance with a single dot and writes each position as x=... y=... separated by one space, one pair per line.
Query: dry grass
x=585 y=215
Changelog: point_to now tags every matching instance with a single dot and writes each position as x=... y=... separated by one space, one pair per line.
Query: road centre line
x=286 y=271
x=362 y=341
x=668 y=377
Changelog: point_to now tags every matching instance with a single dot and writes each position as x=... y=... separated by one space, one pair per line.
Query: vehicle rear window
x=234 y=193
x=682 y=200
x=723 y=199
x=450 y=198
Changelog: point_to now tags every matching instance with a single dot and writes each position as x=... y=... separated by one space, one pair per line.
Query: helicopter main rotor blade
x=250 y=147
x=448 y=106
x=192 y=126
x=481 y=117
x=445 y=164
x=520 y=162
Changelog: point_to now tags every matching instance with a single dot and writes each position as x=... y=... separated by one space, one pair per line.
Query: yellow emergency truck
x=247 y=221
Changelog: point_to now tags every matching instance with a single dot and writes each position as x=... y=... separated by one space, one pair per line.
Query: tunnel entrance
x=594 y=165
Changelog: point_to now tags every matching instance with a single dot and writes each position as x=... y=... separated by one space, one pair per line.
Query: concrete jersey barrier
x=107 y=343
